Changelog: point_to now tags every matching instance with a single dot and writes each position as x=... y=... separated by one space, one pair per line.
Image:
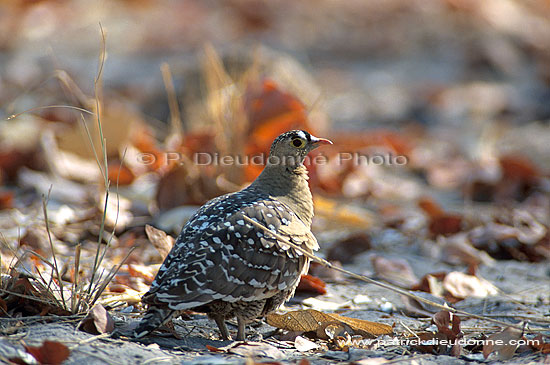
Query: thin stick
x=91 y=339
x=384 y=285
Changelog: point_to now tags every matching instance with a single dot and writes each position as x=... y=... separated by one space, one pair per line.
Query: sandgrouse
x=223 y=265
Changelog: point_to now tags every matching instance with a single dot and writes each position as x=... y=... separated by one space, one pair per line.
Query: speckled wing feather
x=220 y=256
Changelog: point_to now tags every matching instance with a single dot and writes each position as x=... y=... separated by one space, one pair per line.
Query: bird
x=223 y=265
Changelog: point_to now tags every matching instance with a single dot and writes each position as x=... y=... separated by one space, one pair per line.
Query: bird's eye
x=298 y=143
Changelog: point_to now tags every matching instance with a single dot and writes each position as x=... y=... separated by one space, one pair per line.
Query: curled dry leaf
x=462 y=286
x=457 y=250
x=310 y=320
x=448 y=325
x=517 y=234
x=162 y=241
x=50 y=352
x=504 y=343
x=455 y=286
x=98 y=321
x=445 y=340
x=397 y=271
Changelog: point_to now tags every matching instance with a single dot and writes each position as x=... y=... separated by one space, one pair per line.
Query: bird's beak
x=320 y=141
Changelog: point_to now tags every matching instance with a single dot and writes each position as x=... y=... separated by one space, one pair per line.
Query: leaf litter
x=470 y=222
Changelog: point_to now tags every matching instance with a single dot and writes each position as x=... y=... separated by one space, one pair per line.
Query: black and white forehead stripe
x=303 y=135
x=296 y=133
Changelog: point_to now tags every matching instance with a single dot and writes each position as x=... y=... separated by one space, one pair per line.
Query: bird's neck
x=289 y=185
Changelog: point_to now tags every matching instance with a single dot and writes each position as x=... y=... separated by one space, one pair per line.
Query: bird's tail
x=153 y=319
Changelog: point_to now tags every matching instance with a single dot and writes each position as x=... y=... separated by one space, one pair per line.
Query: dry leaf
x=457 y=250
x=50 y=352
x=6 y=199
x=342 y=215
x=302 y=344
x=462 y=286
x=347 y=249
x=213 y=349
x=120 y=174
x=311 y=284
x=147 y=273
x=270 y=112
x=252 y=349
x=539 y=345
x=186 y=184
x=501 y=343
x=397 y=271
x=310 y=320
x=162 y=242
x=441 y=223
x=448 y=325
x=98 y=321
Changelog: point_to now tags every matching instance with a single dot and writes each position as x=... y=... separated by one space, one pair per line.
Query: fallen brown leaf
x=441 y=223
x=6 y=199
x=397 y=271
x=50 y=352
x=310 y=320
x=162 y=241
x=462 y=286
x=539 y=345
x=502 y=343
x=213 y=349
x=448 y=324
x=98 y=321
x=311 y=284
x=347 y=249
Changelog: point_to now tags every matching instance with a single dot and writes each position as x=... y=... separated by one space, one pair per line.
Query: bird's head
x=291 y=148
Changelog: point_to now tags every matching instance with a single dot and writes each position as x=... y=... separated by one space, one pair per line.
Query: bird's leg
x=242 y=328
x=223 y=328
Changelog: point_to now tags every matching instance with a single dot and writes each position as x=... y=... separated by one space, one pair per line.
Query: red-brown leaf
x=311 y=284
x=50 y=352
x=98 y=321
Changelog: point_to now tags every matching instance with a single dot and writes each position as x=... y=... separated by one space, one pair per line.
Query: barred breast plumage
x=226 y=267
